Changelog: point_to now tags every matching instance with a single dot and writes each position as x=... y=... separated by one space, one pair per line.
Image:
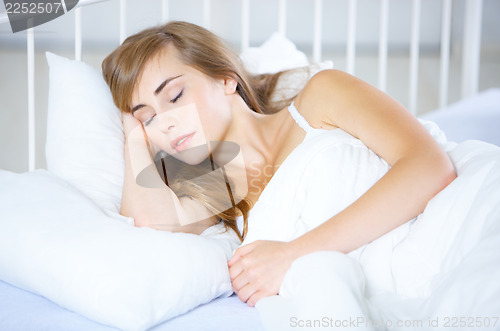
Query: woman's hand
x=155 y=205
x=257 y=269
x=129 y=123
x=133 y=129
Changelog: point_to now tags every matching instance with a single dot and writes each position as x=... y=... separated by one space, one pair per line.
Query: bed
x=58 y=268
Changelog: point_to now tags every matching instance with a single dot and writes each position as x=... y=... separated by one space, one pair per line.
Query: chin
x=193 y=155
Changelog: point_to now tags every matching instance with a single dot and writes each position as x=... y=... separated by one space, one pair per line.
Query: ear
x=230 y=85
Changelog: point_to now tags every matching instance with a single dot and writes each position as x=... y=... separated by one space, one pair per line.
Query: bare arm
x=419 y=166
x=419 y=170
x=156 y=205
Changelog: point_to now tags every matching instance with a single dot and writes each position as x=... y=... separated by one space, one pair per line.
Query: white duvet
x=440 y=270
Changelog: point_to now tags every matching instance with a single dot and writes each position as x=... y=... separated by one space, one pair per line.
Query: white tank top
x=324 y=174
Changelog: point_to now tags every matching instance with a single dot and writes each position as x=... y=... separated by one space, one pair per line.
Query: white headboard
x=471 y=46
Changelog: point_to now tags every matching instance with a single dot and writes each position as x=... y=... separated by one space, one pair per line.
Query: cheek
x=219 y=111
x=155 y=137
x=215 y=122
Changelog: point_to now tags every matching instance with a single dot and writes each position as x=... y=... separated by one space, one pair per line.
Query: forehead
x=166 y=63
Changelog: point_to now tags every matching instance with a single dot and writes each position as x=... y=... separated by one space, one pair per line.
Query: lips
x=181 y=142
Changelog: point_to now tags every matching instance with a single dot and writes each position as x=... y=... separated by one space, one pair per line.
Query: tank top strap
x=301 y=121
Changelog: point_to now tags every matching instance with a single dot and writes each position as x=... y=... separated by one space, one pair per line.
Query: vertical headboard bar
x=30 y=52
x=245 y=24
x=123 y=20
x=414 y=53
x=78 y=34
x=282 y=17
x=471 y=47
x=445 y=53
x=206 y=14
x=164 y=11
x=351 y=36
x=318 y=4
x=382 y=49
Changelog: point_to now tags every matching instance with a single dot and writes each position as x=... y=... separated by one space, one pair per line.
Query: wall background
x=101 y=36
x=100 y=22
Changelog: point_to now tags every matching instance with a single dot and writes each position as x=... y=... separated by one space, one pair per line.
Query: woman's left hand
x=257 y=269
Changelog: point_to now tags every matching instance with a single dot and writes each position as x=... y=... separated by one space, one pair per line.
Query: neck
x=258 y=135
x=259 y=138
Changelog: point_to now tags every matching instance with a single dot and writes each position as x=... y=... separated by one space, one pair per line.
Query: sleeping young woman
x=183 y=92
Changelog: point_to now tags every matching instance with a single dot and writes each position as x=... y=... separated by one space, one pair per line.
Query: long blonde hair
x=203 y=50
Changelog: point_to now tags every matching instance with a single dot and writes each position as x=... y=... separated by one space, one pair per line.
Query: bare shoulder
x=333 y=98
x=324 y=81
x=327 y=93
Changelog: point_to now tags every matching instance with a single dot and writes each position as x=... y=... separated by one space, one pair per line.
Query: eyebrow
x=157 y=91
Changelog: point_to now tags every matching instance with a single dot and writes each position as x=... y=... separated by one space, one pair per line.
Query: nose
x=167 y=122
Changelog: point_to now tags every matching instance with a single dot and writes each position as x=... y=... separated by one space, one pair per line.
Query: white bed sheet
x=476 y=118
x=24 y=311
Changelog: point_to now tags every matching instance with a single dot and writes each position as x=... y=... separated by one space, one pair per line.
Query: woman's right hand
x=129 y=123
x=155 y=205
x=133 y=129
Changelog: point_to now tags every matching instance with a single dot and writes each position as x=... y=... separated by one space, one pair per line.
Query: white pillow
x=56 y=242
x=85 y=138
x=276 y=54
x=293 y=81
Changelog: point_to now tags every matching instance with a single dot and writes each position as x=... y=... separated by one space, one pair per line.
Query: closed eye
x=148 y=120
x=174 y=100
x=177 y=97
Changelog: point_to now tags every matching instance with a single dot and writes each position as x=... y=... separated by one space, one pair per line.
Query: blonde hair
x=204 y=51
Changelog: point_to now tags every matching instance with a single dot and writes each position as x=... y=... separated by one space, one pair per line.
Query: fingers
x=130 y=123
x=246 y=287
x=240 y=280
x=235 y=258
x=256 y=297
x=235 y=271
x=239 y=271
x=249 y=272
x=251 y=294
x=129 y=119
x=247 y=291
x=239 y=253
x=237 y=266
